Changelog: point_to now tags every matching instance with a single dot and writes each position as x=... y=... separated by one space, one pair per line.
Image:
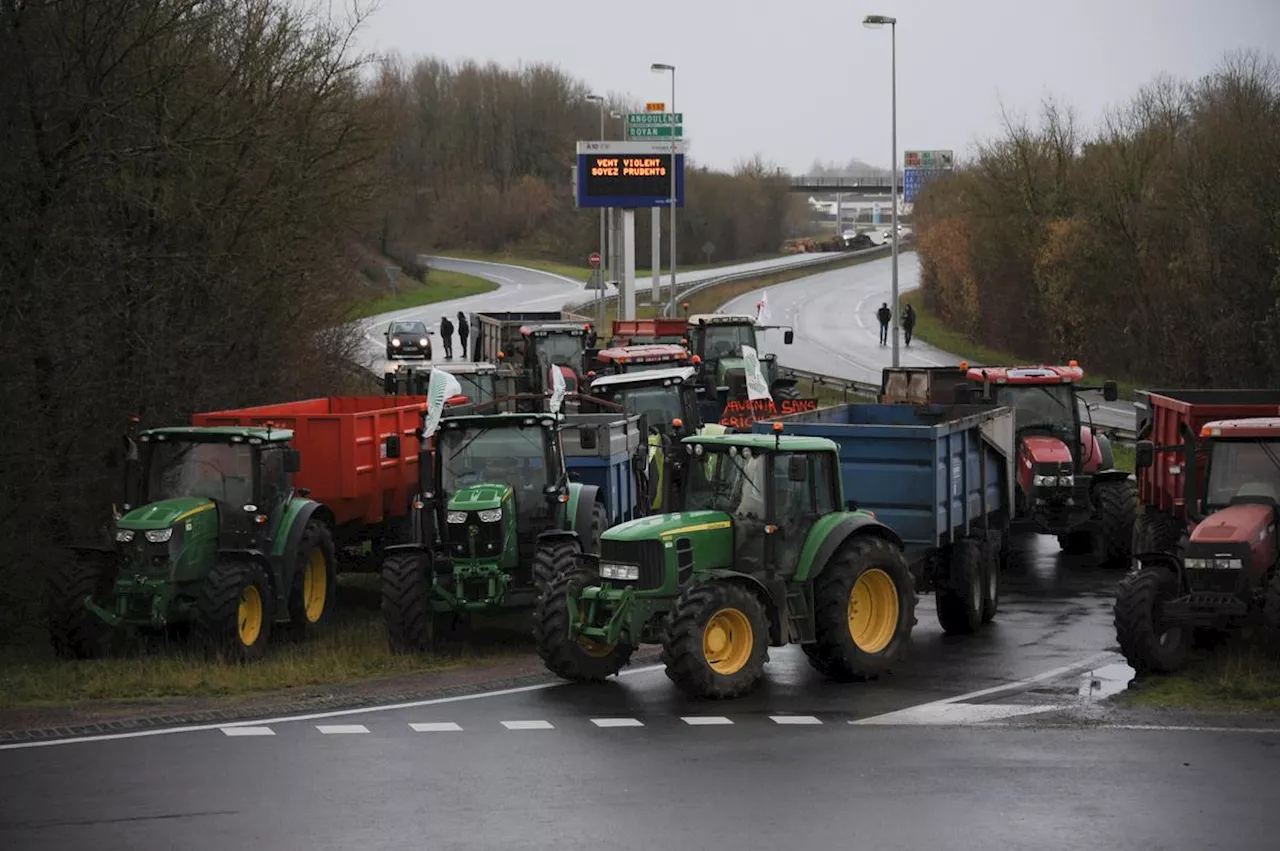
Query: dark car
x=408 y=339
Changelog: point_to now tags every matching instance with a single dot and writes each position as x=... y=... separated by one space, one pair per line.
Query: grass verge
x=1236 y=677
x=1124 y=456
x=442 y=285
x=932 y=330
x=583 y=272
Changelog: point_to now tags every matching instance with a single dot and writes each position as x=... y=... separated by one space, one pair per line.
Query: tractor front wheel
x=961 y=595
x=1149 y=644
x=717 y=644
x=412 y=624
x=552 y=560
x=864 y=604
x=76 y=632
x=314 y=591
x=235 y=611
x=581 y=659
x=1115 y=507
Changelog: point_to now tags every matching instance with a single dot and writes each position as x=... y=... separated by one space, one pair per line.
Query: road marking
x=528 y=725
x=1021 y=685
x=436 y=727
x=248 y=731
x=705 y=720
x=794 y=719
x=1174 y=728
x=954 y=713
x=617 y=722
x=341 y=729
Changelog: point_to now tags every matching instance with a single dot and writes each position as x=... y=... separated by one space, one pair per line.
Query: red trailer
x=634 y=332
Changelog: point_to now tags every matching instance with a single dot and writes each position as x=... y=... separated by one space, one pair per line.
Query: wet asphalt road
x=633 y=764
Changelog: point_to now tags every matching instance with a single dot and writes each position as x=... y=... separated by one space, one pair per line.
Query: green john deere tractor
x=219 y=541
x=497 y=519
x=762 y=555
x=717 y=340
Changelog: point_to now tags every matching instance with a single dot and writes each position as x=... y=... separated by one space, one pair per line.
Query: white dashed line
x=248 y=731
x=527 y=725
x=436 y=727
x=341 y=729
x=706 y=720
x=794 y=719
x=617 y=722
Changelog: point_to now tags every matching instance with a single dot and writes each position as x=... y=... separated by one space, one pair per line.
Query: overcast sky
x=803 y=80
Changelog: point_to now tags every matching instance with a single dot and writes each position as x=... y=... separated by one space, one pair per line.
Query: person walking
x=908 y=321
x=463 y=331
x=884 y=315
x=446 y=337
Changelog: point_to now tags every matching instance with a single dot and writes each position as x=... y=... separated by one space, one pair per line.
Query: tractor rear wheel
x=235 y=611
x=1115 y=507
x=959 y=597
x=1157 y=532
x=76 y=632
x=412 y=624
x=864 y=604
x=1148 y=644
x=550 y=561
x=314 y=591
x=581 y=659
x=717 y=644
x=992 y=563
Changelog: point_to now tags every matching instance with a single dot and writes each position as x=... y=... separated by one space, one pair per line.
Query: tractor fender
x=1104 y=448
x=578 y=510
x=1166 y=560
x=287 y=552
x=558 y=535
x=820 y=548
x=772 y=594
x=1111 y=476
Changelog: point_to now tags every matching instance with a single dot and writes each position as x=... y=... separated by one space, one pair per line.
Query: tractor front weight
x=141 y=601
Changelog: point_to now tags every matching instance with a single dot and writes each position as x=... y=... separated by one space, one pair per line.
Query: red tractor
x=1067 y=482
x=1205 y=545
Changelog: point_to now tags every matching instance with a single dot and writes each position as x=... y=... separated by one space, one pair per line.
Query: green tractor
x=762 y=555
x=717 y=341
x=219 y=541
x=497 y=518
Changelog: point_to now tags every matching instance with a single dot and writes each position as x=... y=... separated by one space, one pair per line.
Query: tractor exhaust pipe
x=1191 y=492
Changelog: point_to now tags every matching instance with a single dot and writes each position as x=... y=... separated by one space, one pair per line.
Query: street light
x=875 y=22
x=659 y=68
x=601 y=270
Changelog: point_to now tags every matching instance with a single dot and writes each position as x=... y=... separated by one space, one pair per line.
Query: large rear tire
x=77 y=633
x=413 y=626
x=1115 y=507
x=313 y=594
x=581 y=660
x=550 y=561
x=864 y=604
x=235 y=611
x=959 y=598
x=1146 y=642
x=717 y=644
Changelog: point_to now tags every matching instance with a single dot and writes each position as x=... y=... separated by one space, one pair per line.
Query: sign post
x=655 y=257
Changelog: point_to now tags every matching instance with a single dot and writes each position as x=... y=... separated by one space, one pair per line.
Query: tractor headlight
x=124 y=536
x=159 y=536
x=490 y=515
x=1229 y=564
x=1045 y=481
x=1197 y=563
x=1066 y=481
x=457 y=517
x=622 y=572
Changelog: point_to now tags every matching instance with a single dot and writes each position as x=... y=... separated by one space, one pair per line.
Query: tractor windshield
x=561 y=349
x=478 y=387
x=660 y=404
x=726 y=341
x=513 y=455
x=222 y=472
x=730 y=481
x=1051 y=406
x=1243 y=469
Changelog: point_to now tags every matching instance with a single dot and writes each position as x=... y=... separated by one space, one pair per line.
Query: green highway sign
x=655 y=118
x=653 y=132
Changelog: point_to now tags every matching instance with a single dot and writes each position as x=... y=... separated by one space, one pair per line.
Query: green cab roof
x=766 y=442
x=220 y=434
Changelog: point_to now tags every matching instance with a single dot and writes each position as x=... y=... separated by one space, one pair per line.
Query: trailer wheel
x=235 y=611
x=76 y=633
x=1157 y=532
x=314 y=591
x=959 y=598
x=413 y=626
x=1115 y=508
x=1148 y=644
x=550 y=561
x=717 y=644
x=992 y=564
x=864 y=605
x=582 y=659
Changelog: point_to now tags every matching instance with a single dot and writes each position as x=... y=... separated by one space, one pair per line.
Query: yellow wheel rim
x=315 y=586
x=249 y=621
x=873 y=611
x=727 y=640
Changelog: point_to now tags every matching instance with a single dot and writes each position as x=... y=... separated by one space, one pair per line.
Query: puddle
x=1103 y=682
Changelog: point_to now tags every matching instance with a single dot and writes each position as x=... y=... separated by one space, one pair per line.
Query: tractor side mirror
x=1144 y=454
x=393 y=446
x=587 y=437
x=798 y=468
x=292 y=460
x=1110 y=391
x=789 y=337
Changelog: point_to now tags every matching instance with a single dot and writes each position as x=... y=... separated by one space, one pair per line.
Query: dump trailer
x=497 y=333
x=1208 y=469
x=605 y=451
x=941 y=477
x=636 y=332
x=231 y=525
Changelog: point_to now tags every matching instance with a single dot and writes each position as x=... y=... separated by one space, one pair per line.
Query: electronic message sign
x=626 y=179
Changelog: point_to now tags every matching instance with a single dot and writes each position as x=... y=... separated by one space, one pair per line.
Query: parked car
x=408 y=339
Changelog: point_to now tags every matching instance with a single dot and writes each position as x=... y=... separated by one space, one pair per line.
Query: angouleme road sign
x=655 y=118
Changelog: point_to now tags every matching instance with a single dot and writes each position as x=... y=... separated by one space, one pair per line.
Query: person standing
x=446 y=337
x=884 y=315
x=909 y=321
x=463 y=331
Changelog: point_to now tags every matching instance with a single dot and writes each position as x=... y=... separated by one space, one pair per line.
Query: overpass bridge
x=870 y=185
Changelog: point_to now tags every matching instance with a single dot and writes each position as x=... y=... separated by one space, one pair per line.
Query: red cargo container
x=1162 y=486
x=628 y=332
x=342 y=440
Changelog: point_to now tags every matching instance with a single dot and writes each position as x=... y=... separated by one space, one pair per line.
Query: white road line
x=341 y=729
x=436 y=727
x=1022 y=684
x=705 y=720
x=528 y=725
x=248 y=731
x=788 y=720
x=617 y=722
x=1174 y=729
x=954 y=714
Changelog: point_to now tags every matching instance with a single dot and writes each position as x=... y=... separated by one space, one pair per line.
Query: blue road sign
x=914 y=178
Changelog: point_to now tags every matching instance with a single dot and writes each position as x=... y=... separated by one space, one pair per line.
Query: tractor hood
x=725 y=364
x=479 y=497
x=667 y=526
x=1234 y=524
x=1043 y=449
x=165 y=513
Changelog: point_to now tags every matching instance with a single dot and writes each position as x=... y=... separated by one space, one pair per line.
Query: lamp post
x=659 y=68
x=875 y=22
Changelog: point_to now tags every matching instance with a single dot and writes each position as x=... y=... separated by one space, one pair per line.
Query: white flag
x=557 y=389
x=443 y=386
x=762 y=307
x=757 y=387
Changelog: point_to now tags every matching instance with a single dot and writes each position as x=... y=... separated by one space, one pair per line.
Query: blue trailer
x=603 y=450
x=940 y=476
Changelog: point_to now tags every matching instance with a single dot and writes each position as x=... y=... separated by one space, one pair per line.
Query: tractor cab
x=555 y=344
x=717 y=340
x=480 y=382
x=628 y=359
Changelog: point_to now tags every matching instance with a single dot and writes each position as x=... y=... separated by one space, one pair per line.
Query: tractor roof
x=722 y=319
x=1026 y=374
x=652 y=376
x=767 y=442
x=219 y=434
x=497 y=420
x=644 y=353
x=1243 y=429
